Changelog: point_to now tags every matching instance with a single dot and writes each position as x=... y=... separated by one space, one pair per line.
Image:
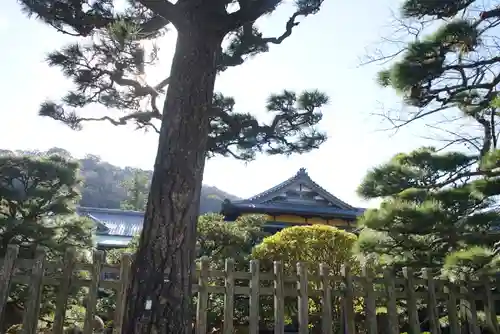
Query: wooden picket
x=339 y=294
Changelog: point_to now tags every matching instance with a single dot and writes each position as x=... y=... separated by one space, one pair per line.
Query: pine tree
x=437 y=203
x=38 y=196
x=195 y=122
x=452 y=61
x=438 y=210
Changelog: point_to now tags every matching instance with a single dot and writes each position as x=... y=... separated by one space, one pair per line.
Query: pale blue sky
x=323 y=53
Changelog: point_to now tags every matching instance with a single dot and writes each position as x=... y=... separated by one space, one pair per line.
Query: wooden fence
x=463 y=302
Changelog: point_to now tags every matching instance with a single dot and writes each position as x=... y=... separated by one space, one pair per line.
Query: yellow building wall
x=301 y=220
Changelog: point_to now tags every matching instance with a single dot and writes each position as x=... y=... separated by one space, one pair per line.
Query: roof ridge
x=301 y=173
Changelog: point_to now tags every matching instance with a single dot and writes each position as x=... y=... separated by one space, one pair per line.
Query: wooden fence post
x=121 y=293
x=434 y=325
x=489 y=306
x=229 y=298
x=370 y=300
x=452 y=309
x=202 y=305
x=32 y=310
x=98 y=259
x=414 y=323
x=64 y=290
x=349 y=323
x=303 y=298
x=468 y=305
x=254 y=297
x=326 y=300
x=392 y=311
x=6 y=273
x=279 y=299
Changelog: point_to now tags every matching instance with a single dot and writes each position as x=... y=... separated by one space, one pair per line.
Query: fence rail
x=343 y=291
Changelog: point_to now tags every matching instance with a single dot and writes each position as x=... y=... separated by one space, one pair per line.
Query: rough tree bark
x=161 y=272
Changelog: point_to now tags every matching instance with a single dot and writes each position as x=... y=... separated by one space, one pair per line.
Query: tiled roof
x=265 y=200
x=115 y=222
x=300 y=177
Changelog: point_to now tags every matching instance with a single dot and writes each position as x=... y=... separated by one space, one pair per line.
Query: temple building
x=296 y=201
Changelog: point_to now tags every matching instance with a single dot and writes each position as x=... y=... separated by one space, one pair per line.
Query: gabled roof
x=114 y=222
x=298 y=194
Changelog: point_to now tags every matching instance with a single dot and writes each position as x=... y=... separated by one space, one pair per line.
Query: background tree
x=103 y=184
x=38 y=195
x=195 y=123
x=137 y=188
x=436 y=209
x=311 y=245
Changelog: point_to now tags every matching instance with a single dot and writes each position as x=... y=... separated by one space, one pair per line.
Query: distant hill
x=103 y=181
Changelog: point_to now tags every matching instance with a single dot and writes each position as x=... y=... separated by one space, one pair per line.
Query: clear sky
x=324 y=52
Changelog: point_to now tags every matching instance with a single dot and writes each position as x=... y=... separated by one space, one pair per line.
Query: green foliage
x=437 y=210
x=448 y=64
x=109 y=66
x=308 y=244
x=311 y=245
x=37 y=202
x=38 y=194
x=137 y=188
x=105 y=185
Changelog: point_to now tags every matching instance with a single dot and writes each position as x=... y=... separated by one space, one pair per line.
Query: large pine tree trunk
x=164 y=264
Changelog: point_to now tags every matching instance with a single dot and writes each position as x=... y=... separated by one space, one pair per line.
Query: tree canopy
x=449 y=70
x=38 y=195
x=37 y=204
x=109 y=68
x=104 y=185
x=437 y=208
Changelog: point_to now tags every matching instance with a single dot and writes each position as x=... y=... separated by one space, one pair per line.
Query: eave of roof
x=298 y=209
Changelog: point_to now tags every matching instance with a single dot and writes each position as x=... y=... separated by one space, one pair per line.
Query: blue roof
x=114 y=221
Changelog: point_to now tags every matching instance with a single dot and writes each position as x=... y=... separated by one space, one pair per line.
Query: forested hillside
x=105 y=184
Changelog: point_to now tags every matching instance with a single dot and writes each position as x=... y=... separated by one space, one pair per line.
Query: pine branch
x=291 y=131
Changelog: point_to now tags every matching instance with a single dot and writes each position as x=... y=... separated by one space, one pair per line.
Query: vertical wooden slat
x=32 y=310
x=121 y=294
x=434 y=325
x=414 y=323
x=326 y=300
x=98 y=259
x=303 y=298
x=254 y=297
x=229 y=298
x=370 y=302
x=489 y=306
x=6 y=273
x=64 y=289
x=452 y=308
x=202 y=305
x=468 y=306
x=279 y=299
x=392 y=311
x=350 y=327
